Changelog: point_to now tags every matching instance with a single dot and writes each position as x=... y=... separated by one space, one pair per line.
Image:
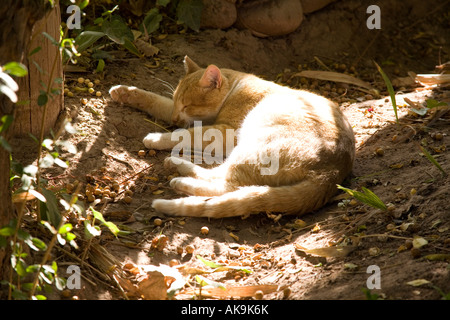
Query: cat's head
x=199 y=95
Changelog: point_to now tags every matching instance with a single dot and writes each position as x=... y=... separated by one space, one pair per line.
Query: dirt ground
x=414 y=37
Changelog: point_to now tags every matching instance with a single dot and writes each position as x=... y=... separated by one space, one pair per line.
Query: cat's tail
x=300 y=198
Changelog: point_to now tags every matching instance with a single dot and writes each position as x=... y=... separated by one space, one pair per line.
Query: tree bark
x=28 y=114
x=17 y=19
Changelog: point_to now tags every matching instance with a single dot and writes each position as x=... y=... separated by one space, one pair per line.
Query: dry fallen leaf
x=146 y=48
x=419 y=242
x=438 y=257
x=333 y=76
x=159 y=242
x=153 y=286
x=418 y=282
x=236 y=291
x=337 y=252
x=433 y=79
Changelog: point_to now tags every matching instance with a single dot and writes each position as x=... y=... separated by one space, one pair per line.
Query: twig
x=83 y=257
x=159 y=126
x=101 y=274
x=146 y=168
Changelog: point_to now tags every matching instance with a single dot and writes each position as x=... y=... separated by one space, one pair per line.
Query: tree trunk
x=28 y=114
x=17 y=19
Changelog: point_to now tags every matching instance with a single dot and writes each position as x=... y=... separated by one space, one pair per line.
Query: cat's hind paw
x=169 y=207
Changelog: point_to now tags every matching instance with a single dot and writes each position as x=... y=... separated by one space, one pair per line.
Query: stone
x=314 y=5
x=270 y=17
x=218 y=14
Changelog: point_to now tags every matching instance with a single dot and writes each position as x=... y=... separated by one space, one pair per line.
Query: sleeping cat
x=311 y=139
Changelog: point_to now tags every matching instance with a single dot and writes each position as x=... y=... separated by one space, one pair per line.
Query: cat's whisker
x=167 y=84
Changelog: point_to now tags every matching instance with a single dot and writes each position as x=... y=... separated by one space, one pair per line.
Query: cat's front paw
x=184 y=167
x=158 y=141
x=120 y=93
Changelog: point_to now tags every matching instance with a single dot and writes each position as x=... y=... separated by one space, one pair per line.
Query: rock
x=314 y=5
x=219 y=14
x=270 y=17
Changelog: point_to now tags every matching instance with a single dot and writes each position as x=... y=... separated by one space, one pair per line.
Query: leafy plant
x=369 y=295
x=432 y=160
x=9 y=87
x=390 y=89
x=112 y=26
x=53 y=208
x=367 y=197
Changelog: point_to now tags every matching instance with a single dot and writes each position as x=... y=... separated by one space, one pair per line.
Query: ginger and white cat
x=311 y=138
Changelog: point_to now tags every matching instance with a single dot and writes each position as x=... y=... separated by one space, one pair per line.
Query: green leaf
x=70 y=128
x=21 y=268
x=117 y=30
x=210 y=264
x=70 y=236
x=162 y=3
x=111 y=226
x=202 y=281
x=100 y=66
x=431 y=103
x=5 y=144
x=47 y=161
x=61 y=239
x=91 y=231
x=38 y=195
x=9 y=82
x=109 y=12
x=83 y=4
x=46 y=275
x=432 y=160
x=33 y=268
x=38 y=243
x=65 y=228
x=6 y=122
x=50 y=210
x=87 y=38
x=49 y=37
x=190 y=13
x=151 y=21
x=367 y=197
x=34 y=51
x=7 y=91
x=390 y=89
x=7 y=231
x=61 y=163
x=3 y=242
x=131 y=47
x=60 y=283
x=42 y=99
x=48 y=144
x=16 y=69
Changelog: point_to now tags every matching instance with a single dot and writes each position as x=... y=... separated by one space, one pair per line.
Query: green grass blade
x=390 y=89
x=367 y=197
x=432 y=160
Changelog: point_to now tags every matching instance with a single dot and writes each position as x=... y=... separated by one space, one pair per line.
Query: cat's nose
x=175 y=119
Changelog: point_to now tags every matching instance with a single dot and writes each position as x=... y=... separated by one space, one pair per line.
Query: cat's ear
x=190 y=66
x=212 y=78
